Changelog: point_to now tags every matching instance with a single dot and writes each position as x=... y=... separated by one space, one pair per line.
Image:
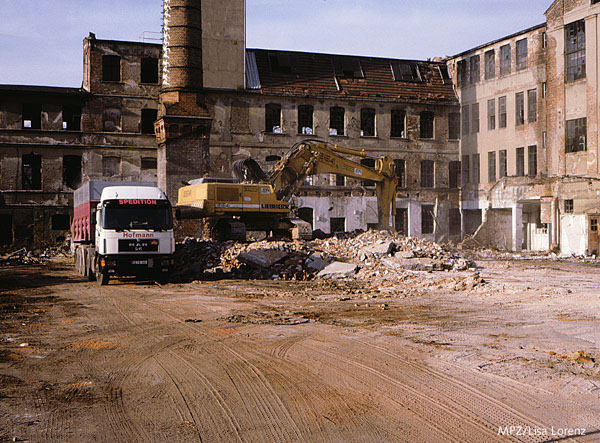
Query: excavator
x=255 y=201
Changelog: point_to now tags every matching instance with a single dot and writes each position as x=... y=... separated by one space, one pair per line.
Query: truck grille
x=138 y=245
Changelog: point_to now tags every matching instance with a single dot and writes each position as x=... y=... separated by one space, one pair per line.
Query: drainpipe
x=555 y=221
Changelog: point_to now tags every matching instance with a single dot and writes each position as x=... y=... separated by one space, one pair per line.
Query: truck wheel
x=102 y=278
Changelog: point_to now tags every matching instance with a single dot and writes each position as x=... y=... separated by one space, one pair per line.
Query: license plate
x=139 y=262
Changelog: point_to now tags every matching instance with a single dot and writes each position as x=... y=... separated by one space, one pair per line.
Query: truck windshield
x=157 y=216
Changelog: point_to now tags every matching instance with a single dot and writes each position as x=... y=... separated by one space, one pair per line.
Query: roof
x=307 y=74
x=41 y=90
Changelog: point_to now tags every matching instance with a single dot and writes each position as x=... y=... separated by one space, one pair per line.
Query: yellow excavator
x=255 y=201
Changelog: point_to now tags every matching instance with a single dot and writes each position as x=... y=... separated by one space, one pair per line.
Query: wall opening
x=6 y=229
x=337 y=224
x=31 y=116
x=427 y=219
x=148 y=163
x=61 y=222
x=401 y=222
x=71 y=116
x=72 y=171
x=111 y=166
x=31 y=172
x=307 y=215
x=111 y=68
x=147 y=122
x=149 y=70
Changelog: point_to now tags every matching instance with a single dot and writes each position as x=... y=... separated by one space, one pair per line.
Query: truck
x=254 y=200
x=122 y=229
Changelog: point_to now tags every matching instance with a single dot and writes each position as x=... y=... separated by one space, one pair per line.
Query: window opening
x=502 y=112
x=475 y=118
x=491 y=167
x=72 y=171
x=71 y=116
x=111 y=166
x=474 y=69
x=491 y=114
x=400 y=172
x=454 y=174
x=426 y=124
x=490 y=64
x=148 y=119
x=519 y=108
x=61 y=222
x=454 y=126
x=406 y=72
x=398 y=123
x=532 y=106
x=465 y=169
x=336 y=120
x=575 y=51
x=576 y=135
x=347 y=67
x=532 y=153
x=32 y=116
x=504 y=59
x=111 y=68
x=520 y=162
x=569 y=206
x=149 y=70
x=502 y=163
x=149 y=163
x=273 y=118
x=305 y=119
x=427 y=174
x=31 y=171
x=521 y=54
x=427 y=219
x=367 y=122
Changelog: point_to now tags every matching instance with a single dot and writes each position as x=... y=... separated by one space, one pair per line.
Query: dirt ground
x=516 y=359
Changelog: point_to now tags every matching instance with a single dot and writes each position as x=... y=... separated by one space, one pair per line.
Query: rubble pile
x=24 y=256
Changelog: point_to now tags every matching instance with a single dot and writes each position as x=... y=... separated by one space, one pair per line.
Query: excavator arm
x=311 y=157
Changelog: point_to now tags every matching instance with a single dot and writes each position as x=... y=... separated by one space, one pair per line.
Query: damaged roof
x=308 y=74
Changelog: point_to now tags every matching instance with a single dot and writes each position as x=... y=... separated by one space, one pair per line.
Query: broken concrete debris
x=338 y=270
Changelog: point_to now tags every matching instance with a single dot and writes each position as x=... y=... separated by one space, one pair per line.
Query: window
x=111 y=120
x=502 y=163
x=519 y=108
x=504 y=59
x=475 y=118
x=272 y=158
x=502 y=112
x=367 y=122
x=426 y=124
x=491 y=167
x=369 y=162
x=521 y=54
x=61 y=222
x=569 y=206
x=72 y=171
x=544 y=91
x=532 y=160
x=148 y=163
x=401 y=221
x=454 y=126
x=398 y=123
x=149 y=72
x=575 y=51
x=347 y=67
x=283 y=62
x=490 y=64
x=31 y=172
x=576 y=135
x=520 y=162
x=544 y=40
x=273 y=118
x=148 y=119
x=406 y=72
x=454 y=221
x=532 y=106
x=426 y=219
x=454 y=174
x=466 y=170
x=111 y=68
x=444 y=74
x=461 y=68
x=336 y=120
x=401 y=172
x=475 y=168
x=337 y=224
x=491 y=114
x=544 y=139
x=474 y=69
x=465 y=120
x=305 y=119
x=427 y=174
x=339 y=180
x=6 y=229
x=111 y=166
x=32 y=116
x=71 y=117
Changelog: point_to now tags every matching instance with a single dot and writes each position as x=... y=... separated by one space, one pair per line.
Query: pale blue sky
x=41 y=40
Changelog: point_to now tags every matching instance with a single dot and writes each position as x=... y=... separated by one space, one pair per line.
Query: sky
x=41 y=41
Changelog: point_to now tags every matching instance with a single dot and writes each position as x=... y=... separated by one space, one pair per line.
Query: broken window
x=400 y=172
x=461 y=67
x=532 y=154
x=454 y=174
x=149 y=70
x=367 y=122
x=532 y=105
x=454 y=126
x=111 y=120
x=305 y=119
x=398 y=123
x=32 y=116
x=337 y=224
x=569 y=206
x=520 y=162
x=474 y=69
x=504 y=59
x=576 y=135
x=491 y=167
x=369 y=162
x=491 y=114
x=71 y=118
x=575 y=51
x=406 y=72
x=454 y=221
x=465 y=169
x=336 y=120
x=475 y=118
x=61 y=222
x=273 y=118
x=445 y=75
x=6 y=229
x=427 y=174
x=149 y=163
x=490 y=64
x=521 y=54
x=347 y=67
x=31 y=172
x=502 y=163
x=465 y=120
x=475 y=161
x=426 y=219
x=502 y=112
x=72 y=171
x=111 y=166
x=111 y=68
x=283 y=62
x=519 y=108
x=426 y=124
x=147 y=122
x=401 y=222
